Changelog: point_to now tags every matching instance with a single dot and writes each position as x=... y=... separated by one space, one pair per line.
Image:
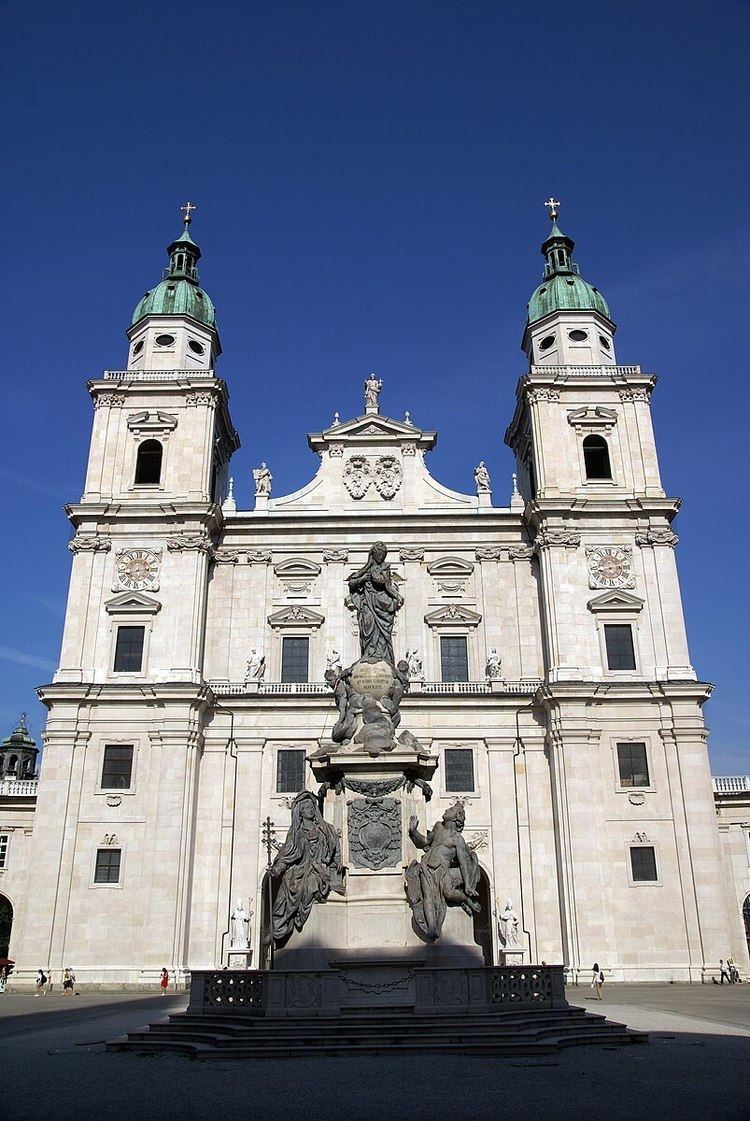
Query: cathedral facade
x=548 y=665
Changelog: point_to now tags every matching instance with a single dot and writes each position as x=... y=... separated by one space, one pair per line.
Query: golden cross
x=552 y=205
x=186 y=209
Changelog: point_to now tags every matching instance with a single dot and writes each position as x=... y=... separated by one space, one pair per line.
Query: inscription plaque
x=374 y=679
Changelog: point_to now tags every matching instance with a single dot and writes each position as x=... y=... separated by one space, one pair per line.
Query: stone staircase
x=358 y=1031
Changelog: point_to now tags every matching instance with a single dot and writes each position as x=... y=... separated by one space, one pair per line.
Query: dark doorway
x=6 y=922
x=483 y=919
x=746 y=917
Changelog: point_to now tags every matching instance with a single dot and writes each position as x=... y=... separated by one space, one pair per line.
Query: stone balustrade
x=587 y=371
x=526 y=687
x=155 y=375
x=19 y=787
x=732 y=784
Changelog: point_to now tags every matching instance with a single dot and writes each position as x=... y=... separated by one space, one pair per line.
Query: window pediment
x=147 y=423
x=132 y=603
x=616 y=601
x=450 y=566
x=592 y=418
x=296 y=616
x=297 y=567
x=454 y=614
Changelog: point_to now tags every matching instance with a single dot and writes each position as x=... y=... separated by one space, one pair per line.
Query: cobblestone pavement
x=53 y=1066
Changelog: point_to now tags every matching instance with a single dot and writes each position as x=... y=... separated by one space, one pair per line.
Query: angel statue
x=447 y=873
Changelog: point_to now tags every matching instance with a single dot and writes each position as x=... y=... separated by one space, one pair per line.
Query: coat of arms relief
x=385 y=473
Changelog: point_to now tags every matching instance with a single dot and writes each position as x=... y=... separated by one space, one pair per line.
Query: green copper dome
x=563 y=288
x=179 y=292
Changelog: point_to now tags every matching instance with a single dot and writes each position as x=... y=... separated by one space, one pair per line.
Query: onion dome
x=179 y=293
x=563 y=287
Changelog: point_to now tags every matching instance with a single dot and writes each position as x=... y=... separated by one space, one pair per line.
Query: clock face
x=610 y=567
x=137 y=568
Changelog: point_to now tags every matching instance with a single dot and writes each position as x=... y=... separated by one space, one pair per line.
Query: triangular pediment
x=592 y=416
x=450 y=566
x=616 y=601
x=372 y=428
x=132 y=603
x=452 y=614
x=151 y=421
x=296 y=616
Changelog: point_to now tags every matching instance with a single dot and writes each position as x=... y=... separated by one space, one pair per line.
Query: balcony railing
x=587 y=371
x=526 y=687
x=154 y=375
x=732 y=784
x=19 y=787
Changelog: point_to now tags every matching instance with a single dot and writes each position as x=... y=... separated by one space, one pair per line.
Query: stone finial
x=336 y=420
x=229 y=505
x=407 y=419
x=516 y=498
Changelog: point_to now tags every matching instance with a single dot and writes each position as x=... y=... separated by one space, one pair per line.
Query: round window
x=138 y=347
x=578 y=336
x=164 y=340
x=605 y=342
x=196 y=347
x=546 y=342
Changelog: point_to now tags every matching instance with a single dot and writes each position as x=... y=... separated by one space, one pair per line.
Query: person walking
x=3 y=978
x=597 y=980
x=724 y=972
x=164 y=982
x=69 y=980
x=734 y=972
x=41 y=983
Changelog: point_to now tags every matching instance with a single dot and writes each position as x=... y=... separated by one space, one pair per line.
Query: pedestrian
x=734 y=972
x=69 y=981
x=724 y=972
x=3 y=978
x=41 y=983
x=597 y=980
x=164 y=982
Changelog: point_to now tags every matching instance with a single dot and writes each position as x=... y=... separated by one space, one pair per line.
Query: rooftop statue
x=375 y=598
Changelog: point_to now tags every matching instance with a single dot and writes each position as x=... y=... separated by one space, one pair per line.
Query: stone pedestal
x=239 y=959
x=513 y=956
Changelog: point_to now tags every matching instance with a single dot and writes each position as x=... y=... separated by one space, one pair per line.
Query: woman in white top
x=597 y=981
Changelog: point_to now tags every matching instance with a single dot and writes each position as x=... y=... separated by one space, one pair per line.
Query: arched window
x=148 y=464
x=12 y=764
x=596 y=458
x=2 y=764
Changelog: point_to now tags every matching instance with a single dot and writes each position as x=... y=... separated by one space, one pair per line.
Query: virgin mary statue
x=305 y=862
x=375 y=598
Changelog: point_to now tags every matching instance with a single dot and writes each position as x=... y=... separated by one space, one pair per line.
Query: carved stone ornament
x=224 y=555
x=557 y=535
x=295 y=615
x=636 y=798
x=520 y=552
x=336 y=556
x=388 y=474
x=489 y=552
x=259 y=556
x=89 y=543
x=335 y=451
x=181 y=541
x=640 y=393
x=156 y=423
x=595 y=418
x=110 y=400
x=137 y=569
x=193 y=399
x=610 y=566
x=357 y=477
x=411 y=555
x=374 y=826
x=640 y=838
x=657 y=537
x=542 y=394
x=114 y=800
x=408 y=449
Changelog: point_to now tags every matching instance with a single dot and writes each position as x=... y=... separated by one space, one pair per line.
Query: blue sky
x=369 y=179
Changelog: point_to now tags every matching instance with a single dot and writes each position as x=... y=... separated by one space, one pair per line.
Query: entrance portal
x=6 y=922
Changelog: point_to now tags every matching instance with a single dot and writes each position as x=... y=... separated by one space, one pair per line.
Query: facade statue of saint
x=482 y=478
x=416 y=673
x=240 y=928
x=448 y=873
x=333 y=660
x=375 y=598
x=263 y=479
x=256 y=667
x=373 y=386
x=509 y=924
x=305 y=862
x=493 y=669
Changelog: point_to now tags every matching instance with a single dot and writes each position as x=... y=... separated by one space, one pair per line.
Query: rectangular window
x=620 y=650
x=107 y=869
x=117 y=768
x=459 y=770
x=290 y=770
x=129 y=649
x=643 y=864
x=3 y=850
x=454 y=659
x=295 y=654
x=631 y=760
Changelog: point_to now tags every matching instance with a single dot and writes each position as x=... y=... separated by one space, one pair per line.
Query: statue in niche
x=333 y=661
x=263 y=479
x=240 y=927
x=256 y=666
x=509 y=924
x=373 y=386
x=375 y=598
x=306 y=863
x=493 y=669
x=482 y=478
x=448 y=873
